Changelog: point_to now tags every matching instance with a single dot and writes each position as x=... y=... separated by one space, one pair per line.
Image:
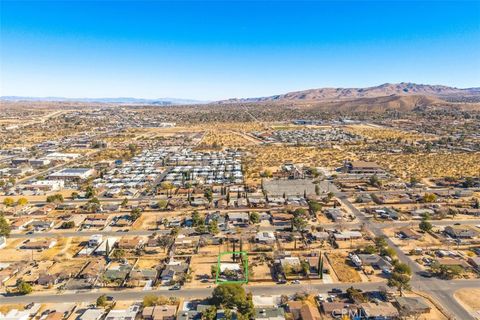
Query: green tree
x=9 y=202
x=68 y=225
x=375 y=181
x=24 y=288
x=266 y=174
x=233 y=296
x=118 y=254
x=208 y=194
x=370 y=249
x=254 y=217
x=101 y=301
x=299 y=223
x=107 y=248
x=402 y=268
x=300 y=212
x=166 y=185
x=380 y=242
x=315 y=206
x=74 y=195
x=450 y=272
x=210 y=313
x=124 y=202
x=414 y=181
x=425 y=226
x=165 y=241
x=135 y=214
x=4 y=227
x=162 y=204
x=213 y=271
x=429 y=197
x=197 y=219
x=56 y=198
x=228 y=295
x=22 y=202
x=90 y=192
x=213 y=227
x=201 y=229
x=469 y=182
x=399 y=281
x=390 y=252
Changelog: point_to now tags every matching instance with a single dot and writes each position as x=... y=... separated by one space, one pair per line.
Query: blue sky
x=216 y=50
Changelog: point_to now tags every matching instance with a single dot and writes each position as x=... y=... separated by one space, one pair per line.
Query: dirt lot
x=147 y=221
x=429 y=165
x=426 y=242
x=260 y=272
x=343 y=271
x=147 y=263
x=469 y=299
x=201 y=269
x=272 y=156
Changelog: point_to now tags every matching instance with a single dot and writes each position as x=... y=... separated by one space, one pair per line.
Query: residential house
x=374 y=260
x=173 y=271
x=461 y=232
x=408 y=233
x=117 y=273
x=163 y=312
x=96 y=221
x=338 y=309
x=39 y=245
x=309 y=312
x=92 y=270
x=238 y=218
x=269 y=313
x=335 y=214
x=347 y=235
x=363 y=167
x=46 y=279
x=126 y=314
x=265 y=237
x=282 y=220
x=92 y=314
x=412 y=306
x=379 y=310
x=41 y=225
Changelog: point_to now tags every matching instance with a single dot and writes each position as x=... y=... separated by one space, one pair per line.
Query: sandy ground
x=343 y=272
x=469 y=299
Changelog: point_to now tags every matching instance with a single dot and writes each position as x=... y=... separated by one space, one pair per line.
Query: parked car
x=336 y=290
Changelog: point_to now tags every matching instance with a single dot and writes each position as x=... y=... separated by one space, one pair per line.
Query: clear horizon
x=221 y=50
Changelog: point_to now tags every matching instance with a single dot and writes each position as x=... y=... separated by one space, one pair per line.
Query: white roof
x=229 y=266
x=266 y=301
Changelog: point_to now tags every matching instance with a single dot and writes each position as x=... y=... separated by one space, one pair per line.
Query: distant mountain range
x=384 y=90
x=128 y=101
x=404 y=95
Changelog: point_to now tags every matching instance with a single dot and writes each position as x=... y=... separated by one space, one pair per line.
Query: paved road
x=271 y=289
x=85 y=234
